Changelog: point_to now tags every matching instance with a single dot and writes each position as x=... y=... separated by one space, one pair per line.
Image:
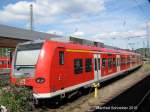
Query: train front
x=24 y=63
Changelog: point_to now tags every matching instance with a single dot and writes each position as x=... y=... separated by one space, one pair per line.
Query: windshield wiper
x=23 y=67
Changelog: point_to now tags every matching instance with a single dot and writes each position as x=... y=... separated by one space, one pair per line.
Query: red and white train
x=55 y=68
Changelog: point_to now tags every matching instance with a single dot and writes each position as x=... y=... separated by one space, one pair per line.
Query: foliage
x=4 y=51
x=144 y=51
x=4 y=80
x=16 y=99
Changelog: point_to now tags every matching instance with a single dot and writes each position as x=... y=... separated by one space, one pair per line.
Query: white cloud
x=57 y=32
x=78 y=33
x=77 y=7
x=47 y=11
x=71 y=20
x=128 y=34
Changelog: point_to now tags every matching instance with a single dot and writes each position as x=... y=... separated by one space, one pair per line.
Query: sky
x=120 y=23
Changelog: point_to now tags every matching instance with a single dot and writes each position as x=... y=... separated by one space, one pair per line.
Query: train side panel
x=65 y=75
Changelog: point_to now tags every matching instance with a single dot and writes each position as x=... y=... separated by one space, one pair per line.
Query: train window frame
x=61 y=58
x=78 y=66
x=88 y=65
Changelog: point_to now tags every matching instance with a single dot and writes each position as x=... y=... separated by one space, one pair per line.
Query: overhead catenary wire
x=147 y=26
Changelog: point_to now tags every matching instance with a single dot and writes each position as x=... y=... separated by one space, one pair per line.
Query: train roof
x=72 y=45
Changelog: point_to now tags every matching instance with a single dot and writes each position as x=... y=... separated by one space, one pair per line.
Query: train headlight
x=40 y=80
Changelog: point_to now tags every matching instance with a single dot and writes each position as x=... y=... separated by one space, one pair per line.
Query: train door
x=97 y=71
x=118 y=62
x=61 y=68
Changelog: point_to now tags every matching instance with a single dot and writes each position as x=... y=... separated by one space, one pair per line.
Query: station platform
x=106 y=92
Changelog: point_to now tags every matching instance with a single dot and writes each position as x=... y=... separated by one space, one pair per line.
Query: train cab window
x=103 y=62
x=88 y=65
x=61 y=57
x=78 y=66
x=109 y=63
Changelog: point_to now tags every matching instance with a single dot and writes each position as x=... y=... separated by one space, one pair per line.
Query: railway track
x=106 y=93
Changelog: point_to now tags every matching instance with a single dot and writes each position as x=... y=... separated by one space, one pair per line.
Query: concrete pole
x=31 y=17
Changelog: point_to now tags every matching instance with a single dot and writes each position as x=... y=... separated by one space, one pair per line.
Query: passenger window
x=3 y=62
x=61 y=57
x=98 y=63
x=118 y=61
x=109 y=63
x=95 y=61
x=114 y=61
x=88 y=65
x=122 y=61
x=78 y=66
x=104 y=62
